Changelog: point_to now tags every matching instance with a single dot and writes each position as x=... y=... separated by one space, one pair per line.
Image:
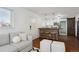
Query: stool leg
x=37 y=50
x=33 y=48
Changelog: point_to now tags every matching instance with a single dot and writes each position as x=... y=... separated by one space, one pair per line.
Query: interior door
x=78 y=30
x=71 y=26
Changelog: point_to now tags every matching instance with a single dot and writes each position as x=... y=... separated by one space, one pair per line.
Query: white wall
x=52 y=20
x=36 y=23
x=21 y=20
x=58 y=20
x=76 y=19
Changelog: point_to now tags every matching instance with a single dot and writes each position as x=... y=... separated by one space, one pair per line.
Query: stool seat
x=45 y=45
x=57 y=46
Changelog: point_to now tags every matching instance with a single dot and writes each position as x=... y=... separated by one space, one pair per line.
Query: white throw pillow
x=23 y=36
x=16 y=39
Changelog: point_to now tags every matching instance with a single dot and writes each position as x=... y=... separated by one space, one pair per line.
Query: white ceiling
x=68 y=11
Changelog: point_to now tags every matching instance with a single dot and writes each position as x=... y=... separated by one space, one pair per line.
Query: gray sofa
x=6 y=44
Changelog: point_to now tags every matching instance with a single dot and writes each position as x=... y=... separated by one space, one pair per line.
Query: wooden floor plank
x=71 y=43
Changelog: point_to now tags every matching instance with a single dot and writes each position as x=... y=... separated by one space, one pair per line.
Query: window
x=5 y=17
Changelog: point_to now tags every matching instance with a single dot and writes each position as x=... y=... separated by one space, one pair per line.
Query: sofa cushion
x=23 y=36
x=4 y=39
x=8 y=48
x=16 y=39
x=12 y=35
x=22 y=45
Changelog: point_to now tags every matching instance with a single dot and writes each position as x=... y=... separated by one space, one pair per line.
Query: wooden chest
x=48 y=33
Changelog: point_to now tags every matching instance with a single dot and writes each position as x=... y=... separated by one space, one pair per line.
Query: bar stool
x=57 y=46
x=45 y=45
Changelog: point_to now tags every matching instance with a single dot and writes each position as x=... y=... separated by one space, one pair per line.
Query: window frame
x=11 y=18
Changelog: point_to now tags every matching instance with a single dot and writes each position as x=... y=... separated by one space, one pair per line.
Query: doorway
x=71 y=26
x=63 y=27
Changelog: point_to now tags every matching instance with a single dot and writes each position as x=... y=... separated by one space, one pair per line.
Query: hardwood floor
x=71 y=43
